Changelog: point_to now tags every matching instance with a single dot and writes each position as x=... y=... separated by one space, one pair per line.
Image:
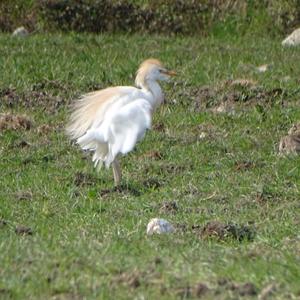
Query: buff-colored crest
x=145 y=67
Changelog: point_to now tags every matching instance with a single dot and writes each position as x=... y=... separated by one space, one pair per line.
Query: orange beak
x=170 y=73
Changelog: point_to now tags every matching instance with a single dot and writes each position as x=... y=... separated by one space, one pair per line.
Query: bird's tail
x=94 y=140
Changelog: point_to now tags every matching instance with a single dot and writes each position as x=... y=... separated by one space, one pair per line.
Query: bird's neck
x=156 y=91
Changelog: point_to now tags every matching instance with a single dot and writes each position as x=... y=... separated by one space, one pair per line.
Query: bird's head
x=152 y=70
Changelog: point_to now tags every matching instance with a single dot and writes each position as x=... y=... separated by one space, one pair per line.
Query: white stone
x=21 y=31
x=263 y=68
x=293 y=39
x=202 y=135
x=159 y=226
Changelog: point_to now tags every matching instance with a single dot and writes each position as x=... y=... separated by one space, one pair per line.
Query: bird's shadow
x=134 y=189
x=122 y=189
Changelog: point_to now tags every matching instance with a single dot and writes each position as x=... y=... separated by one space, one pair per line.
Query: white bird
x=111 y=121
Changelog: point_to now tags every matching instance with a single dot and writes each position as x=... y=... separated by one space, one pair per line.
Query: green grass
x=88 y=240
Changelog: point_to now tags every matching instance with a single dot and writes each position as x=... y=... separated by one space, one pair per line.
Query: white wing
x=120 y=130
x=90 y=110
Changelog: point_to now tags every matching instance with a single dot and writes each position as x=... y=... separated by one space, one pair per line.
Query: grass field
x=66 y=233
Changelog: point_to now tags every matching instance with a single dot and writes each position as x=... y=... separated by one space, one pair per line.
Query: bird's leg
x=117 y=171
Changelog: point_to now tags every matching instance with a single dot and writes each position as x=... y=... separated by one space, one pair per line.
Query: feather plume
x=88 y=108
x=144 y=70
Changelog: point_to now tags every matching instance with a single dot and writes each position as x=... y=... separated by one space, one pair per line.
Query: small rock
x=21 y=32
x=159 y=226
x=202 y=135
x=293 y=39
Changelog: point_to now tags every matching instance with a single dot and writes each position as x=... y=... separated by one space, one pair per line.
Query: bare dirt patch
x=208 y=131
x=152 y=183
x=154 y=155
x=242 y=289
x=218 y=230
x=22 y=144
x=131 y=279
x=295 y=129
x=229 y=95
x=120 y=189
x=14 y=122
x=7 y=293
x=24 y=196
x=215 y=229
x=3 y=223
x=81 y=179
x=244 y=165
x=170 y=207
x=198 y=290
x=42 y=96
x=290 y=144
x=173 y=168
x=267 y=292
x=159 y=127
x=23 y=230
x=135 y=278
x=45 y=129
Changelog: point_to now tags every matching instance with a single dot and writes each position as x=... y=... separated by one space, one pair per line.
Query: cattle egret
x=111 y=121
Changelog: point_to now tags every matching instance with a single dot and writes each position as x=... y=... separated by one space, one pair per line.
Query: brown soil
x=36 y=98
x=215 y=229
x=244 y=165
x=158 y=127
x=295 y=129
x=228 y=95
x=267 y=292
x=169 y=207
x=24 y=195
x=45 y=129
x=22 y=144
x=152 y=183
x=23 y=230
x=3 y=223
x=290 y=144
x=242 y=289
x=82 y=179
x=155 y=155
x=199 y=290
x=131 y=279
x=14 y=122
